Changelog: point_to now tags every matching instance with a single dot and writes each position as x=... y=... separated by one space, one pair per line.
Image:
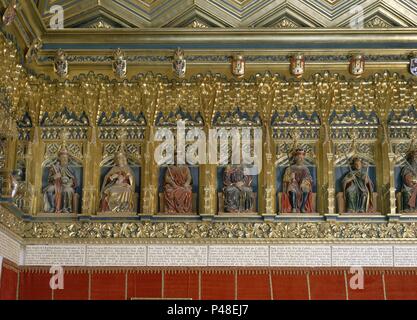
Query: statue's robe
x=358 y=192
x=238 y=194
x=117 y=192
x=59 y=196
x=409 y=188
x=177 y=190
x=303 y=183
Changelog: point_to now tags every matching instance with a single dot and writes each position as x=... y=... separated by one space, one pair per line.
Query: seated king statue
x=117 y=191
x=177 y=190
x=59 y=193
x=409 y=181
x=297 y=183
x=357 y=188
x=237 y=190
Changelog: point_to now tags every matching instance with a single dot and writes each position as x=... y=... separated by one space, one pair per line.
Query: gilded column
x=329 y=190
x=91 y=172
x=36 y=166
x=208 y=183
x=149 y=177
x=269 y=199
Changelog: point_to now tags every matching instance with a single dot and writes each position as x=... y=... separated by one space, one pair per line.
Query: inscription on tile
x=160 y=255
x=55 y=255
x=9 y=248
x=405 y=256
x=116 y=256
x=364 y=256
x=238 y=256
x=299 y=256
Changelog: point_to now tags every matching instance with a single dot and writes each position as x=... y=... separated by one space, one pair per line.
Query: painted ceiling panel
x=232 y=13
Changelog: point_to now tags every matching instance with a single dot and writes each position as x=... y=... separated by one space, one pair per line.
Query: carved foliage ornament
x=33 y=50
x=237 y=118
x=172 y=118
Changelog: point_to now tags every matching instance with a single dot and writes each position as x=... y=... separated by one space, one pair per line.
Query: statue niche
x=409 y=182
x=297 y=195
x=358 y=189
x=60 y=193
x=178 y=194
x=238 y=195
x=118 y=188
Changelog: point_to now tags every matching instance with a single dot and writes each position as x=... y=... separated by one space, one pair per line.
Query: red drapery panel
x=108 y=285
x=145 y=284
x=401 y=285
x=34 y=285
x=75 y=286
x=327 y=285
x=217 y=285
x=8 y=285
x=289 y=285
x=181 y=285
x=373 y=288
x=253 y=286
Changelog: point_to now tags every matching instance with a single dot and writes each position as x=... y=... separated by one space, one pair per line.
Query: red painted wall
x=206 y=284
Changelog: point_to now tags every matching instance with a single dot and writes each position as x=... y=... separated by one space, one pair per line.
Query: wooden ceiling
x=232 y=13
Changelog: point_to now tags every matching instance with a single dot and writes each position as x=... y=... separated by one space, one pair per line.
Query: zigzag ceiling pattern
x=232 y=13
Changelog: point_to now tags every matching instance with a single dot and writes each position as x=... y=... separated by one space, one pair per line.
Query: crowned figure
x=357 y=188
x=237 y=190
x=409 y=181
x=297 y=195
x=118 y=189
x=62 y=182
x=177 y=189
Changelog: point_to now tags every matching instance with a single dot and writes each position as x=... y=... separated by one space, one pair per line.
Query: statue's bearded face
x=299 y=159
x=357 y=164
x=63 y=159
x=121 y=160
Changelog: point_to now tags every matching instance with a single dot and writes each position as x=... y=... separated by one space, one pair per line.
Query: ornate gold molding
x=200 y=232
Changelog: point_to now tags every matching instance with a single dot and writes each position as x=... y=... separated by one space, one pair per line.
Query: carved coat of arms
x=119 y=64
x=61 y=64
x=357 y=65
x=238 y=66
x=179 y=64
x=413 y=66
x=297 y=65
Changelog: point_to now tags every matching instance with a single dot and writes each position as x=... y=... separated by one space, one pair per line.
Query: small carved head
x=356 y=163
x=298 y=156
x=63 y=156
x=120 y=159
